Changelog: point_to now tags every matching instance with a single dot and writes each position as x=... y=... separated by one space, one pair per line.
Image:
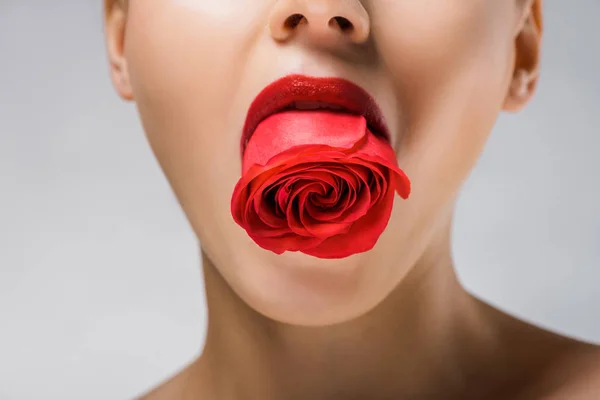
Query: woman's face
x=441 y=71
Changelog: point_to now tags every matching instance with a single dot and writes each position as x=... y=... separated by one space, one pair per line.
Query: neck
x=405 y=345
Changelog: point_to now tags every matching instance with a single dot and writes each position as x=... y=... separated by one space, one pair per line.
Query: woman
x=389 y=321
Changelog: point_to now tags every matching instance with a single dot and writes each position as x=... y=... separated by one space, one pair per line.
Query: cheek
x=186 y=59
x=451 y=66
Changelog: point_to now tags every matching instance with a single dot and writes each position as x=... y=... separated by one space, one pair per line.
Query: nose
x=321 y=20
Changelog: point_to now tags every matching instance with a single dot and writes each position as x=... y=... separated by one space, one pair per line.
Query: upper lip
x=336 y=93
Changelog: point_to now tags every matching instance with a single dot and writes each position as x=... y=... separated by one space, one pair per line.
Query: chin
x=298 y=289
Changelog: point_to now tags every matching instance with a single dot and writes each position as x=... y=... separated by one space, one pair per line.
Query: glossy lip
x=281 y=94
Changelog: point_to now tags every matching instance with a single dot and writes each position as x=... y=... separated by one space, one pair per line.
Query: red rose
x=317 y=182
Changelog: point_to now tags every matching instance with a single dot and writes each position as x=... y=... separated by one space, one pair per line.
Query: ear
x=115 y=21
x=528 y=40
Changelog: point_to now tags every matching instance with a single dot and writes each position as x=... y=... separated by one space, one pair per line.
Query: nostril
x=293 y=21
x=343 y=23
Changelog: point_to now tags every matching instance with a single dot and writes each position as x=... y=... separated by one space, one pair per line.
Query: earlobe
x=115 y=19
x=527 y=58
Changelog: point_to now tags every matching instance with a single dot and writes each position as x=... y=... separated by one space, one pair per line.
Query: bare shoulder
x=573 y=375
x=177 y=387
x=170 y=389
x=550 y=365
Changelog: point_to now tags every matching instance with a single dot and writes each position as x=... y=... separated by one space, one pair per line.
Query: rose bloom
x=322 y=184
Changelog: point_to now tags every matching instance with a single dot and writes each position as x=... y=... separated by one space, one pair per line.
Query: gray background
x=100 y=284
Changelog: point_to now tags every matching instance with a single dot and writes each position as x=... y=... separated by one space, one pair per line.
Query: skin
x=390 y=323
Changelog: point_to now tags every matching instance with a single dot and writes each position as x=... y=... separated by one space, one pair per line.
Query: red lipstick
x=298 y=92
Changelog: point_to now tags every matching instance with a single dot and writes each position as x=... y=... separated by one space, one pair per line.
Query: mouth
x=303 y=93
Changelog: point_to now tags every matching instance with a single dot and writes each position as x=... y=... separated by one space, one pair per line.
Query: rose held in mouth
x=319 y=182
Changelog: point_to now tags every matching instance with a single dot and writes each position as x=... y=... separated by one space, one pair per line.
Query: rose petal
x=376 y=181
x=377 y=150
x=362 y=236
x=259 y=227
x=359 y=199
x=289 y=242
x=266 y=207
x=294 y=210
x=315 y=227
x=285 y=130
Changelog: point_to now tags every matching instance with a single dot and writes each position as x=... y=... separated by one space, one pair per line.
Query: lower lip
x=340 y=92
